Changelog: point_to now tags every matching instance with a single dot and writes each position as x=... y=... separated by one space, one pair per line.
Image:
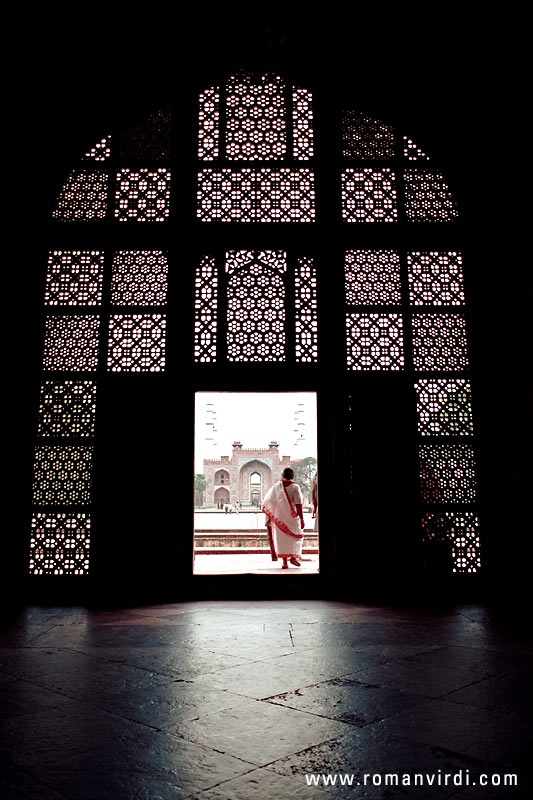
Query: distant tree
x=200 y=485
x=303 y=474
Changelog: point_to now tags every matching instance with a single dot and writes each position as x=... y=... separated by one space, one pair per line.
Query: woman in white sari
x=283 y=508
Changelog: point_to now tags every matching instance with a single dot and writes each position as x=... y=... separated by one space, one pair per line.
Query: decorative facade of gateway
x=245 y=477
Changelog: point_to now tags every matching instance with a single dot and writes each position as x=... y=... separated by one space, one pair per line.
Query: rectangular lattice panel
x=67 y=408
x=459 y=531
x=59 y=544
x=143 y=195
x=137 y=343
x=374 y=341
x=435 y=279
x=305 y=305
x=83 y=197
x=148 y=138
x=444 y=407
x=428 y=198
x=74 y=278
x=447 y=473
x=209 y=124
x=71 y=343
x=369 y=195
x=365 y=138
x=62 y=475
x=255 y=119
x=260 y=195
x=372 y=277
x=256 y=308
x=439 y=342
x=302 y=122
x=139 y=278
x=205 y=311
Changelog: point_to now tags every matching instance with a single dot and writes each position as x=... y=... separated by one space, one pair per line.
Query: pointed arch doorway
x=246 y=440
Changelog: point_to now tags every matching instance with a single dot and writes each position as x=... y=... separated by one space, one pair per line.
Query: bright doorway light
x=243 y=441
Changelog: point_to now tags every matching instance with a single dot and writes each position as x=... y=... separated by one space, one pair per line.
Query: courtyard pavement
x=245 y=520
x=249 y=563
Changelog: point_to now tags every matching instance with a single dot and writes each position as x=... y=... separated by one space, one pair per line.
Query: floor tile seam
x=297 y=753
x=459 y=689
x=34 y=683
x=39 y=780
x=38 y=635
x=49 y=688
x=478 y=708
x=195 y=795
x=305 y=686
x=151 y=671
x=296 y=649
x=119 y=661
x=453 y=753
x=429 y=665
x=352 y=724
x=210 y=749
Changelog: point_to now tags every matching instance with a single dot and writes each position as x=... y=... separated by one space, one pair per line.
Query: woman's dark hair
x=288 y=473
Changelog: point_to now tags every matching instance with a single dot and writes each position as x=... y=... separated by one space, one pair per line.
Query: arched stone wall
x=247 y=469
x=222 y=495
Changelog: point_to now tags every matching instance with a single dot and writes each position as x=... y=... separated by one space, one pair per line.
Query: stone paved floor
x=251 y=563
x=245 y=520
x=240 y=700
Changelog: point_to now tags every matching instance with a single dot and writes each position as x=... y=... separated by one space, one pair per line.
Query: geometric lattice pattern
x=62 y=474
x=460 y=530
x=256 y=314
x=436 y=278
x=305 y=305
x=137 y=343
x=428 y=198
x=67 y=408
x=255 y=119
x=143 y=195
x=139 y=278
x=208 y=124
x=256 y=195
x=101 y=151
x=374 y=341
x=237 y=259
x=83 y=197
x=59 y=544
x=369 y=195
x=412 y=152
x=302 y=121
x=74 y=278
x=71 y=343
x=372 y=277
x=444 y=407
x=205 y=311
x=439 y=342
x=149 y=138
x=366 y=138
x=447 y=473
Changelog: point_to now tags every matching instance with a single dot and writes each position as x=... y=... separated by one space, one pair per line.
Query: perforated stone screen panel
x=67 y=408
x=60 y=543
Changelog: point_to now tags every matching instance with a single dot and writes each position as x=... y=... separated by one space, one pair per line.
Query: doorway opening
x=242 y=443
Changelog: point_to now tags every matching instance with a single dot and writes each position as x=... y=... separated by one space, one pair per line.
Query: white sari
x=279 y=506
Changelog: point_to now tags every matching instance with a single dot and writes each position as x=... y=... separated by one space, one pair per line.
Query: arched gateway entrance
x=278 y=281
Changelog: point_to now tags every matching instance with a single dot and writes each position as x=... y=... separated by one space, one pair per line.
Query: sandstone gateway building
x=245 y=477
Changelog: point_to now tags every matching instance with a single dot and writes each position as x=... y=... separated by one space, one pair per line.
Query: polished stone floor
x=241 y=700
